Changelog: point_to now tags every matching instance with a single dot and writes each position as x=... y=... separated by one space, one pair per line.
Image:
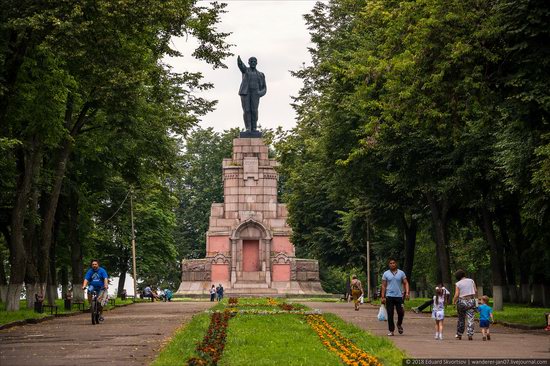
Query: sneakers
x=416 y=311
x=458 y=337
x=390 y=334
x=400 y=329
x=436 y=336
x=488 y=337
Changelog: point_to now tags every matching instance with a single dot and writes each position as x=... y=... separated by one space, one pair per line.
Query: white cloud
x=275 y=33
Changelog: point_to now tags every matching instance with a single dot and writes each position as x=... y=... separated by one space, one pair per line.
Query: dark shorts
x=484 y=324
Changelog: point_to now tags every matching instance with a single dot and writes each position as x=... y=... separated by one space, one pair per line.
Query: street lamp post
x=368 y=263
x=133 y=246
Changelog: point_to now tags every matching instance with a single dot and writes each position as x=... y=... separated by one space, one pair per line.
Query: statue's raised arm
x=253 y=86
x=241 y=64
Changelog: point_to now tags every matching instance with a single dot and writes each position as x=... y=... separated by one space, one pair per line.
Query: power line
x=113 y=215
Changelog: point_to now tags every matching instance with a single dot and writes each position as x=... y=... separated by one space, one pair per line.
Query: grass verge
x=181 y=346
x=25 y=313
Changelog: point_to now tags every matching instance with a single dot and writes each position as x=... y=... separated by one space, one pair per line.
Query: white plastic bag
x=362 y=299
x=382 y=313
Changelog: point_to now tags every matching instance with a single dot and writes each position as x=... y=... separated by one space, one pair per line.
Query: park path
x=417 y=340
x=130 y=335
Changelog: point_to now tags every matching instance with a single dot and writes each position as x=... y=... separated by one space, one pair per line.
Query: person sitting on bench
x=419 y=309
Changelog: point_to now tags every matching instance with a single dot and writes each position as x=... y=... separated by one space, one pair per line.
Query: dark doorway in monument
x=251 y=256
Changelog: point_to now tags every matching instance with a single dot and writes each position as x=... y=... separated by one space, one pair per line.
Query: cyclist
x=96 y=279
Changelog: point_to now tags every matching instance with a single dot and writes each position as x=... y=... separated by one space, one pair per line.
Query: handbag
x=382 y=313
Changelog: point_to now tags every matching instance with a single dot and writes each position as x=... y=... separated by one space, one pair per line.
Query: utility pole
x=368 y=262
x=133 y=245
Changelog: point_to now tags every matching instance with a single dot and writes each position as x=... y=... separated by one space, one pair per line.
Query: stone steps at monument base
x=250 y=292
x=250 y=285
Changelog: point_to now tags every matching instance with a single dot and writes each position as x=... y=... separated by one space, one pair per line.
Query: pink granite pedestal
x=248 y=247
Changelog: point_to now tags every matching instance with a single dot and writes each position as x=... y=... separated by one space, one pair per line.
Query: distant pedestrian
x=356 y=291
x=348 y=290
x=219 y=290
x=438 y=310
x=485 y=316
x=465 y=300
x=213 y=293
x=393 y=282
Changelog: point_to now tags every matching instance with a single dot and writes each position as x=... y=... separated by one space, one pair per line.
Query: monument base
x=250 y=134
x=248 y=246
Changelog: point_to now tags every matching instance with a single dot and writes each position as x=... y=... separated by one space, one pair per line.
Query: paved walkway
x=417 y=340
x=130 y=335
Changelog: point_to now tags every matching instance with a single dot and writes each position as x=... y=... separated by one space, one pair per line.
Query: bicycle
x=94 y=306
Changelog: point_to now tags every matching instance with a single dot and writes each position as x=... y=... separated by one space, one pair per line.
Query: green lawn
x=512 y=313
x=279 y=339
x=181 y=346
x=264 y=340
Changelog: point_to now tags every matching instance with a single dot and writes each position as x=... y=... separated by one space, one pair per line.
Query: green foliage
x=425 y=113
x=87 y=100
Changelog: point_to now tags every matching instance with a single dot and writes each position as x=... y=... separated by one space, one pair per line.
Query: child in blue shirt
x=485 y=315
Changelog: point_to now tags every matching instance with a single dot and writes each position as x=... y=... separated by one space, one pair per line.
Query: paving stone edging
x=50 y=317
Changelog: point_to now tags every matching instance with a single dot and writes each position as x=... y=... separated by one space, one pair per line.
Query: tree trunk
x=520 y=244
x=12 y=298
x=31 y=243
x=64 y=274
x=17 y=45
x=497 y=262
x=3 y=280
x=439 y=211
x=121 y=281
x=58 y=176
x=410 y=245
x=76 y=250
x=509 y=255
x=25 y=162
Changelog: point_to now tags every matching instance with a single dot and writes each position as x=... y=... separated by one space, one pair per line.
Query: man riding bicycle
x=96 y=279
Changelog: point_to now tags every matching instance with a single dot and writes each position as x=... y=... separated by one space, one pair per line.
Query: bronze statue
x=253 y=87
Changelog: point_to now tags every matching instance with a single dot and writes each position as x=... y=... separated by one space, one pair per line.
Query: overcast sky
x=273 y=31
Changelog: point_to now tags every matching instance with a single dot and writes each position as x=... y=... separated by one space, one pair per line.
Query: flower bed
x=211 y=348
x=348 y=352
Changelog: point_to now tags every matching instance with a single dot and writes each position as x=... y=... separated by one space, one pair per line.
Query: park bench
x=79 y=305
x=51 y=307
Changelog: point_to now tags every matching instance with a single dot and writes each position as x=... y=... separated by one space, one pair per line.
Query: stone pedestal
x=248 y=248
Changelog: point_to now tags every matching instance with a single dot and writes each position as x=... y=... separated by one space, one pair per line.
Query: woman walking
x=465 y=300
x=356 y=291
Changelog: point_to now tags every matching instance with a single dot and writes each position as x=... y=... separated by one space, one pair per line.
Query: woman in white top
x=465 y=300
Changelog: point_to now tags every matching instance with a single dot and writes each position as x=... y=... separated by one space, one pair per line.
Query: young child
x=485 y=314
x=438 y=310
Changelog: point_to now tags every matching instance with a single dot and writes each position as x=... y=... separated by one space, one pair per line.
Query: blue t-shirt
x=485 y=312
x=96 y=278
x=394 y=282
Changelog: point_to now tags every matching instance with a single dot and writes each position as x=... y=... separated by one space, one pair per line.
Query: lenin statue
x=252 y=88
